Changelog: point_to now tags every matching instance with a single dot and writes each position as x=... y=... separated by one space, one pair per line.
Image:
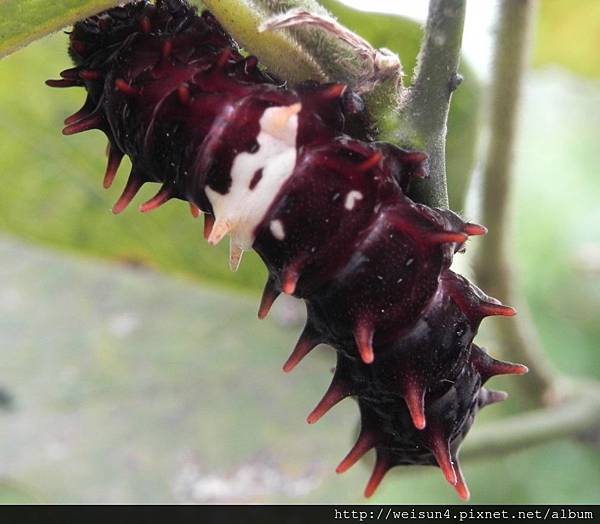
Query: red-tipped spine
x=363 y=335
x=415 y=158
x=441 y=452
x=134 y=183
x=63 y=82
x=444 y=237
x=461 y=486
x=115 y=155
x=371 y=162
x=337 y=391
x=71 y=73
x=306 y=343
x=488 y=309
x=290 y=277
x=270 y=294
x=366 y=440
x=414 y=397
x=489 y=366
x=498 y=367
x=382 y=466
x=195 y=210
x=85 y=124
x=334 y=91
x=473 y=229
x=85 y=111
x=126 y=88
x=164 y=195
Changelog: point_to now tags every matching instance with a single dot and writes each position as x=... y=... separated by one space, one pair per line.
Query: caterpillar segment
x=295 y=174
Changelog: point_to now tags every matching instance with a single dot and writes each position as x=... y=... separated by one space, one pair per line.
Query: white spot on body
x=351 y=199
x=276 y=227
x=244 y=208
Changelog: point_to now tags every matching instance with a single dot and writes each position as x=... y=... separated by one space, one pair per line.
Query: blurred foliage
x=558 y=218
x=403 y=36
x=568 y=34
x=11 y=493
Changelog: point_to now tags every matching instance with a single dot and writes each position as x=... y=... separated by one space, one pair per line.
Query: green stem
x=307 y=52
x=495 y=259
x=280 y=53
x=424 y=111
x=578 y=413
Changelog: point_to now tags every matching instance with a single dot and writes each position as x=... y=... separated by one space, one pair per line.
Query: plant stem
x=424 y=111
x=579 y=412
x=283 y=56
x=313 y=51
x=494 y=262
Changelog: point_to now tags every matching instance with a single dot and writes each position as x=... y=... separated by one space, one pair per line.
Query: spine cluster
x=294 y=174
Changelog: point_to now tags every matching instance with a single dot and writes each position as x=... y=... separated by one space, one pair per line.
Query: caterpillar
x=296 y=174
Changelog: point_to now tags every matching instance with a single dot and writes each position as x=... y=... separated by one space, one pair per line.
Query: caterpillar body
x=295 y=174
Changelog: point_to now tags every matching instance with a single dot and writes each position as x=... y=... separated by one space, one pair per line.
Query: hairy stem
x=494 y=264
x=312 y=50
x=277 y=50
x=424 y=111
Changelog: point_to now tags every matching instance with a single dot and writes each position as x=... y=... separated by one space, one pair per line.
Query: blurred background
x=133 y=366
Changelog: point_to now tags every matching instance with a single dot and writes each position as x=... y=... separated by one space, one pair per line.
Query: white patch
x=244 y=208
x=276 y=227
x=351 y=199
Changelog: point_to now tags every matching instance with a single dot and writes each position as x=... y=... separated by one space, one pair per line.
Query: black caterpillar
x=295 y=175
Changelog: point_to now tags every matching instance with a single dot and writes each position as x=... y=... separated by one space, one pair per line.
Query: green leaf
x=24 y=21
x=568 y=34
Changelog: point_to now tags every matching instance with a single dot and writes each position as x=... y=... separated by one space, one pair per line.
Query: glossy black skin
x=171 y=90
